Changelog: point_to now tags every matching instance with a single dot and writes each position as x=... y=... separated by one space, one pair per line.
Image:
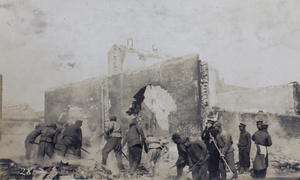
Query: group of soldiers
x=136 y=142
x=214 y=153
x=208 y=157
x=58 y=136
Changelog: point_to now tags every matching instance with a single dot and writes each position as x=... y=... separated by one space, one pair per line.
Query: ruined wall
x=275 y=99
x=178 y=77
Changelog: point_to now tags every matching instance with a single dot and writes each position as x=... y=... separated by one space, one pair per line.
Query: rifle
x=214 y=141
x=85 y=151
x=198 y=163
x=56 y=149
x=177 y=164
x=125 y=155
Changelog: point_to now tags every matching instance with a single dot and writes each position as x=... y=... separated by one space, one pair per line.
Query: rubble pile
x=285 y=164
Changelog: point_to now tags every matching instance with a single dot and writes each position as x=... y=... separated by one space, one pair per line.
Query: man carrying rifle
x=47 y=142
x=224 y=143
x=182 y=160
x=197 y=158
x=113 y=135
x=135 y=139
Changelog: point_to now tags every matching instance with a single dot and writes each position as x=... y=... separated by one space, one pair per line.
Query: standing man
x=262 y=140
x=197 y=158
x=213 y=160
x=134 y=139
x=112 y=132
x=47 y=141
x=29 y=140
x=182 y=160
x=72 y=138
x=224 y=142
x=244 y=146
x=154 y=153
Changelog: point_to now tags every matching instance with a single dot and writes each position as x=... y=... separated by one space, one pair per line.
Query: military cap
x=175 y=136
x=78 y=121
x=242 y=124
x=259 y=122
x=53 y=125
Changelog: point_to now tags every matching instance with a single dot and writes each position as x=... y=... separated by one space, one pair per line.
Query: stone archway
x=152 y=105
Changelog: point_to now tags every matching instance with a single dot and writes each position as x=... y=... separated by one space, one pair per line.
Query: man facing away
x=224 y=142
x=244 y=146
x=113 y=134
x=154 y=153
x=213 y=160
x=182 y=160
x=72 y=138
x=29 y=138
x=47 y=142
x=134 y=139
x=262 y=140
x=197 y=158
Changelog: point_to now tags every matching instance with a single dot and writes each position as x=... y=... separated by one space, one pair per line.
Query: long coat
x=262 y=140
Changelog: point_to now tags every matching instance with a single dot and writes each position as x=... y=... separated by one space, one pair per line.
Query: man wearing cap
x=182 y=160
x=134 y=139
x=244 y=146
x=154 y=153
x=208 y=135
x=113 y=132
x=47 y=142
x=262 y=140
x=72 y=138
x=224 y=142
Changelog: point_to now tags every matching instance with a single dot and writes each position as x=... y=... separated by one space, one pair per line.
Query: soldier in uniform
x=72 y=138
x=47 y=142
x=112 y=131
x=224 y=142
x=244 y=146
x=182 y=160
x=262 y=140
x=154 y=153
x=29 y=138
x=208 y=135
x=134 y=139
x=197 y=158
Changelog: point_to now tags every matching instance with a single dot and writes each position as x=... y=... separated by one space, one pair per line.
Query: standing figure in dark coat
x=224 y=141
x=262 y=140
x=113 y=136
x=244 y=146
x=182 y=160
x=134 y=139
x=47 y=142
x=29 y=138
x=197 y=158
x=214 y=159
x=72 y=138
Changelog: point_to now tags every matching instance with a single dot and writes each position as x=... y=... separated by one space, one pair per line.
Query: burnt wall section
x=178 y=77
x=88 y=95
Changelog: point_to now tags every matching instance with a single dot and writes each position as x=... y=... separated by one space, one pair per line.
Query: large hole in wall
x=152 y=105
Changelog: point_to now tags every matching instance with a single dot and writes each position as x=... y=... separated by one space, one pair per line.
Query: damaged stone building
x=170 y=95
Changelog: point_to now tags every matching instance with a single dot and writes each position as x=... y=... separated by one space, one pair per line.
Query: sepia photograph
x=149 y=90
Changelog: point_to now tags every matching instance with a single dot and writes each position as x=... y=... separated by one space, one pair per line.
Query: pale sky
x=253 y=43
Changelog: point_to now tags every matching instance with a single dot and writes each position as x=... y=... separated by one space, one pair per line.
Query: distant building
x=19 y=119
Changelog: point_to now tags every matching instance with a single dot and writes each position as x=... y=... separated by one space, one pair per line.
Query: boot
x=247 y=170
x=241 y=170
